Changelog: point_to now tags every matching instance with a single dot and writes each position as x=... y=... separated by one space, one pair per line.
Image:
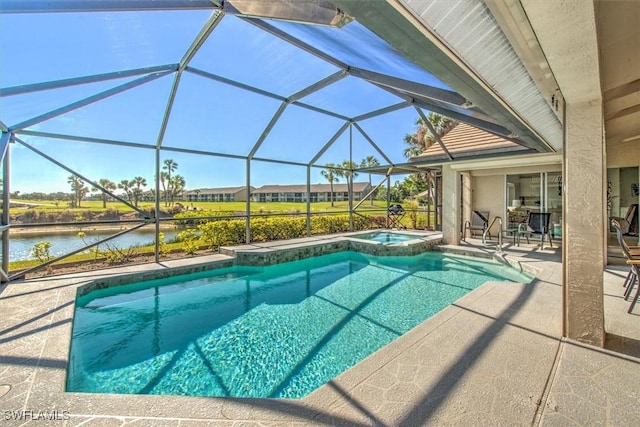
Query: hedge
x=232 y=231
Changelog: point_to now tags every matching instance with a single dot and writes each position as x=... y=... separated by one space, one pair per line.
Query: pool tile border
x=124 y=279
x=275 y=252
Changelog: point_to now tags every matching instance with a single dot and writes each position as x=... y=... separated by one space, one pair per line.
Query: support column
x=156 y=250
x=584 y=222
x=247 y=231
x=309 y=200
x=466 y=197
x=6 y=191
x=450 y=206
x=638 y=210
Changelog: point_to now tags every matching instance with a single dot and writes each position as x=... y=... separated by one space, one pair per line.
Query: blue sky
x=207 y=115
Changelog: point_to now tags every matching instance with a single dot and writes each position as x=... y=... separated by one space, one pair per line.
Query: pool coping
x=275 y=252
x=290 y=250
x=49 y=367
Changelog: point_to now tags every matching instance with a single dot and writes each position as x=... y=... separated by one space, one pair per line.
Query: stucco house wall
x=488 y=194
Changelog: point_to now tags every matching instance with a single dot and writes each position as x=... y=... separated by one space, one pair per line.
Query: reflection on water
x=61 y=244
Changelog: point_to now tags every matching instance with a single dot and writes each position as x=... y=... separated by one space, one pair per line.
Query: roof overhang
x=402 y=26
x=528 y=160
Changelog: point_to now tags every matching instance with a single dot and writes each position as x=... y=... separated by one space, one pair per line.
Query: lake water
x=20 y=246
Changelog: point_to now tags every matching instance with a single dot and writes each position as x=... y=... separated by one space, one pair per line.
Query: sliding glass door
x=535 y=192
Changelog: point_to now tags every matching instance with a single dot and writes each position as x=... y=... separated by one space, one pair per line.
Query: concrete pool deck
x=495 y=357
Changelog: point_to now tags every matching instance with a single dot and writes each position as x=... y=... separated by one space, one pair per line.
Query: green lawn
x=256 y=207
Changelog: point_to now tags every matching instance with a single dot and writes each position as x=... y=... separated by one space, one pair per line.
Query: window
x=537 y=192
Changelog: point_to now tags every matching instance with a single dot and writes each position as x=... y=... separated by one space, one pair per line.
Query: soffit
x=541 y=161
x=517 y=170
x=406 y=25
x=567 y=33
x=618 y=26
x=594 y=50
x=470 y=30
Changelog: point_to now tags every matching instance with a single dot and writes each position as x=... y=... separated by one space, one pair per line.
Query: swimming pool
x=386 y=237
x=279 y=331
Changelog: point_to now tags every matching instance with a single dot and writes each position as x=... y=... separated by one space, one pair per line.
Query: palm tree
x=369 y=162
x=332 y=175
x=138 y=182
x=107 y=185
x=349 y=173
x=169 y=166
x=422 y=138
x=164 y=179
x=176 y=185
x=79 y=190
x=126 y=186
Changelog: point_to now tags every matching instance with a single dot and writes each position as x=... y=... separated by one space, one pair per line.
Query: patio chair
x=635 y=268
x=632 y=254
x=479 y=222
x=629 y=224
x=537 y=223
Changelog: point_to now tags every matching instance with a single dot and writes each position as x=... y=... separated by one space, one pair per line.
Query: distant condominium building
x=318 y=192
x=278 y=193
x=224 y=194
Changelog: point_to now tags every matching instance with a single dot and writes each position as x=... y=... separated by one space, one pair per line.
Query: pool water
x=279 y=331
x=385 y=237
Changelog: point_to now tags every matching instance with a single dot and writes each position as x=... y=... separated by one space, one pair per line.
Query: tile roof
x=466 y=141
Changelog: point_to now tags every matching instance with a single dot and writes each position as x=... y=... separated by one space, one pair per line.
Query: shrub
x=29 y=217
x=94 y=249
x=377 y=221
x=116 y=255
x=189 y=240
x=163 y=250
x=422 y=222
x=412 y=212
x=224 y=232
x=42 y=217
x=42 y=251
x=194 y=218
x=111 y=213
x=277 y=228
x=329 y=224
x=66 y=216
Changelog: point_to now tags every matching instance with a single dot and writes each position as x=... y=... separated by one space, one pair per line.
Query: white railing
x=486 y=231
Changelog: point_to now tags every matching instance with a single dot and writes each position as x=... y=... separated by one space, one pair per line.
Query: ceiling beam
x=443 y=95
x=621 y=91
x=622 y=113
